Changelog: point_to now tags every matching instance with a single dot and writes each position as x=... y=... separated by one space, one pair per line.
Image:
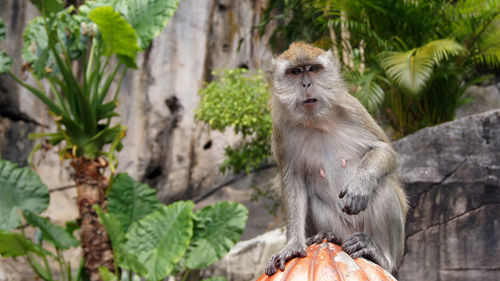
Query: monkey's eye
x=315 y=68
x=296 y=71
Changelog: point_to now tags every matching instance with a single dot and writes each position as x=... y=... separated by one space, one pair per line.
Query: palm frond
x=407 y=69
x=474 y=8
x=412 y=69
x=440 y=49
x=488 y=45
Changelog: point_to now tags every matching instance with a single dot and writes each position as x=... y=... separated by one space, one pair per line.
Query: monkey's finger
x=347 y=210
x=330 y=237
x=348 y=206
x=302 y=253
x=362 y=253
x=282 y=263
x=349 y=243
x=353 y=247
x=343 y=192
x=270 y=270
x=271 y=266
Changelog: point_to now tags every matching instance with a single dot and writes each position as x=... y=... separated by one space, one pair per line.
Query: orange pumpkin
x=327 y=262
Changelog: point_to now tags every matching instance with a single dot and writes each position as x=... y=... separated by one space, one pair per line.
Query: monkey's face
x=306 y=86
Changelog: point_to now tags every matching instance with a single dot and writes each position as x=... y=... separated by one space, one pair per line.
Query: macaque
x=337 y=168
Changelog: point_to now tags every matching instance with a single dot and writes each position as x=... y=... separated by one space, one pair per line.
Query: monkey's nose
x=306 y=85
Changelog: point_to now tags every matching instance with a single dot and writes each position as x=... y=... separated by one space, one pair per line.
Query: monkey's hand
x=360 y=245
x=357 y=193
x=289 y=252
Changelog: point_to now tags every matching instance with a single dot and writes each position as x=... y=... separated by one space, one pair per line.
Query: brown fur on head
x=301 y=53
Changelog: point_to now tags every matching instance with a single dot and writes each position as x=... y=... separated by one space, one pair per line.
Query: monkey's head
x=305 y=81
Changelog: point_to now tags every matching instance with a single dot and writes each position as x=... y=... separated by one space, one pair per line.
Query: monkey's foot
x=318 y=238
x=360 y=245
x=282 y=257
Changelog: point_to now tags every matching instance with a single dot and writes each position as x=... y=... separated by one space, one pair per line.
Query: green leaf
x=113 y=226
x=106 y=274
x=129 y=261
x=5 y=62
x=20 y=189
x=217 y=228
x=52 y=233
x=161 y=238
x=441 y=49
x=124 y=258
x=129 y=200
x=105 y=135
x=35 y=40
x=148 y=17
x=65 y=30
x=15 y=245
x=412 y=69
x=118 y=36
x=85 y=9
x=41 y=270
x=2 y=30
x=71 y=226
x=408 y=69
x=48 y=6
x=128 y=61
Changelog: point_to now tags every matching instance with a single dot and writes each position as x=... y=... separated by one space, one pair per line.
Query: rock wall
x=452 y=176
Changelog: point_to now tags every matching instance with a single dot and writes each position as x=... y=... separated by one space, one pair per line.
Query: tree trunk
x=92 y=186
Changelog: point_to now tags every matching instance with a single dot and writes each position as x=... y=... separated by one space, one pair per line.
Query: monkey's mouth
x=310 y=101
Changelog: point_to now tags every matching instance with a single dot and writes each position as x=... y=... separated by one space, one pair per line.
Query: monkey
x=336 y=167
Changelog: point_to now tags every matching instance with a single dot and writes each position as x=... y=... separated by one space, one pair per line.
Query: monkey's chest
x=325 y=161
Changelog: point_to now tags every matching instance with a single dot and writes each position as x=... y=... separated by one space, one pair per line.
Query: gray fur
x=338 y=131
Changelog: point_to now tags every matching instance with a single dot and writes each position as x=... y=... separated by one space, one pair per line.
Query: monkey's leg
x=360 y=245
x=318 y=238
x=295 y=203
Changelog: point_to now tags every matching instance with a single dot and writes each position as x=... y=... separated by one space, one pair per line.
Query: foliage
x=412 y=69
x=239 y=101
x=24 y=192
x=150 y=239
x=396 y=53
x=83 y=106
x=73 y=52
x=216 y=229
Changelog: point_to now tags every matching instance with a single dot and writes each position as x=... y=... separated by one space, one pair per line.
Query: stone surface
x=452 y=176
x=483 y=98
x=247 y=260
x=260 y=218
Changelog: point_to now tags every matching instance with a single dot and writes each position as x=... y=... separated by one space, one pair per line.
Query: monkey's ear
x=329 y=55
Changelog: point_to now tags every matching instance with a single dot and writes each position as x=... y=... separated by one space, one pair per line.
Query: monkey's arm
x=295 y=199
x=379 y=161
